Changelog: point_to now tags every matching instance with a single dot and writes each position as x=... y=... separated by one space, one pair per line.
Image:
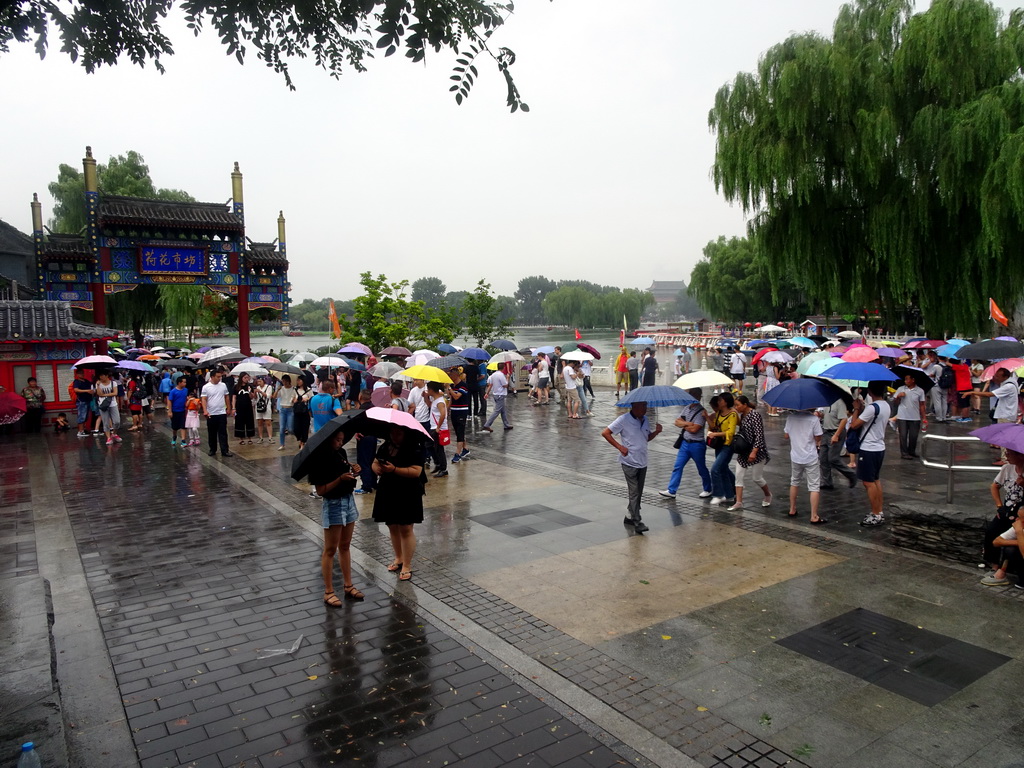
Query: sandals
x=250 y=442
x=332 y=600
x=405 y=576
x=395 y=567
x=351 y=593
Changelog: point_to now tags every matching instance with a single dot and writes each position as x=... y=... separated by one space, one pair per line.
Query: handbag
x=854 y=437
x=444 y=436
x=741 y=445
x=716 y=442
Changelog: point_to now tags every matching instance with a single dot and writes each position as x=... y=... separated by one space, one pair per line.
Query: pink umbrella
x=270 y=359
x=95 y=361
x=1010 y=365
x=860 y=354
x=398 y=418
x=12 y=407
x=381 y=396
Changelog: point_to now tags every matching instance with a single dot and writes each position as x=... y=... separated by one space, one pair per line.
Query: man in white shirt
x=737 y=368
x=910 y=416
x=635 y=432
x=1005 y=391
x=216 y=409
x=871 y=420
x=572 y=398
x=497 y=391
x=803 y=430
x=937 y=395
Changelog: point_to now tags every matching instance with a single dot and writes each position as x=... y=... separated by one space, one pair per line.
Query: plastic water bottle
x=29 y=757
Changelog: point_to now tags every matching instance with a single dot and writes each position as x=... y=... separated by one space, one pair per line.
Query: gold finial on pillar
x=280 y=227
x=89 y=165
x=236 y=185
x=37 y=213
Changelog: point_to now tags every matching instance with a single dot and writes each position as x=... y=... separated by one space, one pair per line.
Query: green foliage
x=337 y=36
x=121 y=175
x=581 y=304
x=383 y=316
x=481 y=314
x=137 y=309
x=182 y=306
x=733 y=282
x=686 y=306
x=882 y=165
x=530 y=297
x=430 y=290
x=219 y=312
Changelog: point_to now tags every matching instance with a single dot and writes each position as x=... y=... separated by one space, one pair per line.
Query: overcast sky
x=606 y=179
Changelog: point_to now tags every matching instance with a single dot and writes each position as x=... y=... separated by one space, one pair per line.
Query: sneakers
x=992 y=581
x=117 y=438
x=313 y=494
x=361 y=491
x=667 y=494
x=456 y=458
x=465 y=454
x=767 y=501
x=110 y=441
x=717 y=500
x=640 y=527
x=280 y=447
x=83 y=434
x=441 y=473
x=873 y=520
x=173 y=443
x=703 y=494
x=628 y=521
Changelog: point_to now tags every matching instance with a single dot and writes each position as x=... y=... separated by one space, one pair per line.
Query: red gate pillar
x=243 y=319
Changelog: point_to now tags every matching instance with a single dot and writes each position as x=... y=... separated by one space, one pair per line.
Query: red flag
x=622 y=337
x=578 y=337
x=994 y=313
x=333 y=317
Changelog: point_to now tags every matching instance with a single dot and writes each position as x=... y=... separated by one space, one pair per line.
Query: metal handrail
x=949 y=466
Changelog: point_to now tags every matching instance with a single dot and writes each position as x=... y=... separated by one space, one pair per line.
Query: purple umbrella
x=135 y=365
x=890 y=352
x=1006 y=338
x=1009 y=436
x=355 y=348
x=204 y=349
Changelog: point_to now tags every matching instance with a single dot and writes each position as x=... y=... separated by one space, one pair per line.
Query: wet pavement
x=538 y=630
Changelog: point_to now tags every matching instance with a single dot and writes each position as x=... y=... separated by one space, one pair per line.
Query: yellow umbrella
x=428 y=373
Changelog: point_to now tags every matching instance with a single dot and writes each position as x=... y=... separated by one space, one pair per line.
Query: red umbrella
x=12 y=407
x=860 y=354
x=588 y=348
x=926 y=344
x=761 y=353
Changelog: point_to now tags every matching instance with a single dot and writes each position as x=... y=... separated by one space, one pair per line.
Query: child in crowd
x=192 y=407
x=60 y=424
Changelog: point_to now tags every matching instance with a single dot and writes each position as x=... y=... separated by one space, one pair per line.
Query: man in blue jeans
x=692 y=421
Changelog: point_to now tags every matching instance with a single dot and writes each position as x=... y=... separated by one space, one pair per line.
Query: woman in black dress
x=398 y=500
x=245 y=418
x=300 y=412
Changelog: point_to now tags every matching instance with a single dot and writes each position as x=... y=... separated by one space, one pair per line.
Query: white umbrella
x=330 y=361
x=772 y=329
x=577 y=354
x=216 y=354
x=420 y=357
x=505 y=357
x=703 y=379
x=777 y=357
x=848 y=335
x=385 y=370
x=252 y=368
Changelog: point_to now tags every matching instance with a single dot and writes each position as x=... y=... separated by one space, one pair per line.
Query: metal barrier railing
x=949 y=466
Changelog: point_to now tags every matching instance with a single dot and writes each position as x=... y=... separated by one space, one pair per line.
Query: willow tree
x=885 y=165
x=183 y=307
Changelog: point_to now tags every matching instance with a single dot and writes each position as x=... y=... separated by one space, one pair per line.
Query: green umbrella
x=810 y=359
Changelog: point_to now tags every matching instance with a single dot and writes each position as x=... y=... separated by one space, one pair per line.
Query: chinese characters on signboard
x=161 y=260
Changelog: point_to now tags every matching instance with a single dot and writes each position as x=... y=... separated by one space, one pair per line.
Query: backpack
x=854 y=436
x=947 y=379
x=300 y=407
x=261 y=401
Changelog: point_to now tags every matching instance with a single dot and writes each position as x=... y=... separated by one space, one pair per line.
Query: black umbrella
x=993 y=349
x=504 y=345
x=181 y=365
x=924 y=381
x=291 y=370
x=320 y=439
x=447 y=362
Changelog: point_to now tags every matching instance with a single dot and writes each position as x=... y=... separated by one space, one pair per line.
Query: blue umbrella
x=759 y=342
x=475 y=353
x=948 y=350
x=642 y=340
x=504 y=345
x=803 y=341
x=546 y=350
x=355 y=365
x=802 y=394
x=860 y=372
x=447 y=349
x=657 y=396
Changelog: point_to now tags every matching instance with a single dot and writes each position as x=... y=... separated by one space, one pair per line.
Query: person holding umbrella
x=720 y=437
x=872 y=419
x=1005 y=392
x=690 y=444
x=83 y=391
x=399 y=498
x=335 y=479
x=635 y=433
x=106 y=401
x=803 y=431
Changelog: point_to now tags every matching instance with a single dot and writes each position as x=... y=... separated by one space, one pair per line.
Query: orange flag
x=335 y=327
x=578 y=337
x=996 y=314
